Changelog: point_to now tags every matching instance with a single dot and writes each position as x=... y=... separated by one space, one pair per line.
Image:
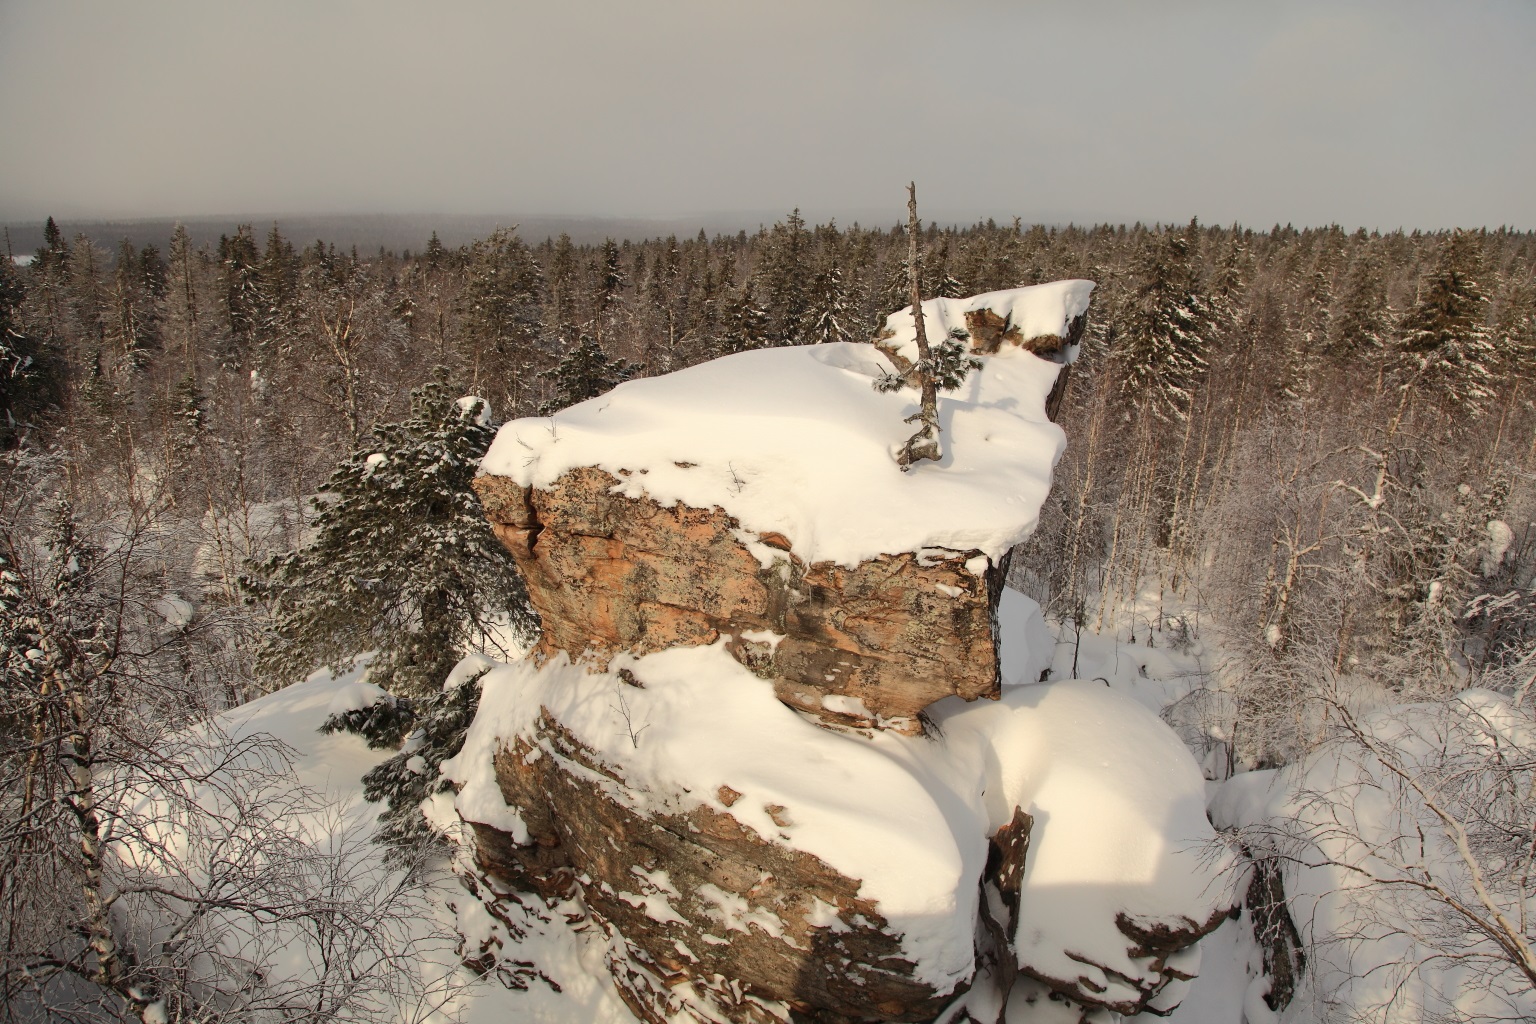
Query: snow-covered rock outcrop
x=756 y=497
x=726 y=560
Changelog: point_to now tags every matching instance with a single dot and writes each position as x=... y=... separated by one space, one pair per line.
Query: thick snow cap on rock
x=795 y=441
x=1033 y=312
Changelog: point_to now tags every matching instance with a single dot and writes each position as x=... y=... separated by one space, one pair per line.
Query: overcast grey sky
x=1379 y=114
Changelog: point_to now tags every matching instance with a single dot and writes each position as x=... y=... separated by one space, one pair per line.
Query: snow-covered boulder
x=728 y=559
x=757 y=497
x=745 y=860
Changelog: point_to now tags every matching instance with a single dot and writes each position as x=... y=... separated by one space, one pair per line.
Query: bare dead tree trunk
x=925 y=443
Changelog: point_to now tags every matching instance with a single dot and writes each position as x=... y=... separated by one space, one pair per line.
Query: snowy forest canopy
x=1250 y=410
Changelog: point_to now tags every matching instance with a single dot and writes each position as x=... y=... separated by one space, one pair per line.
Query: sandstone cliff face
x=867 y=647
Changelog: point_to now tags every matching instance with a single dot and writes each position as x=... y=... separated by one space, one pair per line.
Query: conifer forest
x=1306 y=455
x=1303 y=435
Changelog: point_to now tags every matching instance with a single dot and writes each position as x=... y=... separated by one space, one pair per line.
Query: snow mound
x=795 y=441
x=1396 y=839
x=701 y=722
x=1025 y=644
x=1120 y=825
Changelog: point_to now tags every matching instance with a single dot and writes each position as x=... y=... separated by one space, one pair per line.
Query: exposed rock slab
x=695 y=894
x=746 y=516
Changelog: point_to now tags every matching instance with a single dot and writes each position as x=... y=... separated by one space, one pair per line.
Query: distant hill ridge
x=398 y=232
x=370 y=231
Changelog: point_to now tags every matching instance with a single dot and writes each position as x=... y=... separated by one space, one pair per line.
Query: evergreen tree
x=562 y=282
x=132 y=326
x=896 y=286
x=608 y=275
x=746 y=323
x=426 y=732
x=830 y=318
x=54 y=246
x=1358 y=324
x=949 y=363
x=277 y=289
x=781 y=278
x=1167 y=331
x=403 y=561
x=29 y=381
x=152 y=271
x=239 y=272
x=501 y=318
x=1515 y=327
x=1232 y=274
x=435 y=254
x=181 y=311
x=585 y=372
x=1445 y=336
x=88 y=297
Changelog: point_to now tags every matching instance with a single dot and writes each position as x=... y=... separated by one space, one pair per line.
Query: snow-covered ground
x=575 y=986
x=1089 y=732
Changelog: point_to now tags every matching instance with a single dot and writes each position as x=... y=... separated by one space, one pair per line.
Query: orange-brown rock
x=867 y=646
x=694 y=895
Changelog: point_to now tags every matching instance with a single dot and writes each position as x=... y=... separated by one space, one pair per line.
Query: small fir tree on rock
x=941 y=367
x=948 y=363
x=403 y=561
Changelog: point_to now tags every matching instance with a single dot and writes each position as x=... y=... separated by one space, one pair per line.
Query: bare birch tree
x=152 y=866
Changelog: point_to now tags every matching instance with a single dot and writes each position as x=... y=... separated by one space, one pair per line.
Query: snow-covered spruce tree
x=946 y=285
x=30 y=381
x=500 y=317
x=403 y=561
x=830 y=319
x=1359 y=319
x=746 y=323
x=427 y=732
x=1167 y=331
x=1445 y=336
x=240 y=295
x=781 y=277
x=585 y=372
